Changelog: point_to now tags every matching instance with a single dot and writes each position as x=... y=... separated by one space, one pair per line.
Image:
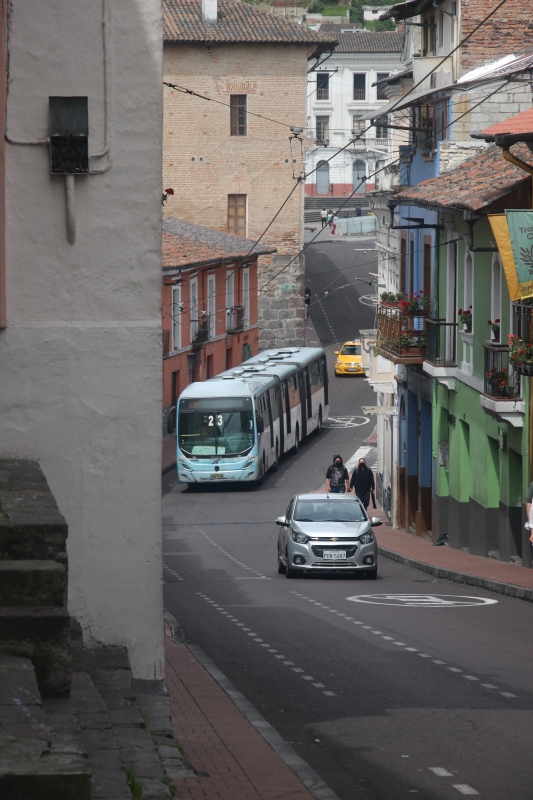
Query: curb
x=508 y=589
x=307 y=776
x=169 y=467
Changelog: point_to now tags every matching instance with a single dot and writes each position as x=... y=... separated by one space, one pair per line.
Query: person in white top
x=324 y=217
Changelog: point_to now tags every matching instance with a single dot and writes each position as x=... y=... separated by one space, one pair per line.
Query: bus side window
x=270 y=418
x=325 y=380
x=287 y=405
x=308 y=392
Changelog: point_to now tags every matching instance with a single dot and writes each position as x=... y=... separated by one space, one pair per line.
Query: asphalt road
x=384 y=699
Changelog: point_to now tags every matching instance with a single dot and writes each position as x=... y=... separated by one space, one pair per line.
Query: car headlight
x=338 y=363
x=300 y=538
x=366 y=538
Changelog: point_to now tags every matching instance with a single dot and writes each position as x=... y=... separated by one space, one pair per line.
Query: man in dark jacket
x=337 y=477
x=362 y=482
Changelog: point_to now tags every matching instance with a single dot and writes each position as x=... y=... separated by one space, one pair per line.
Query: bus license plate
x=217 y=476
x=336 y=555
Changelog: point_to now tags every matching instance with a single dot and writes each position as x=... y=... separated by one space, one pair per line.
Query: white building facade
x=80 y=353
x=342 y=98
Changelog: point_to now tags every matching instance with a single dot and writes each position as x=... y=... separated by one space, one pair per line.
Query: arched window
x=322 y=177
x=359 y=173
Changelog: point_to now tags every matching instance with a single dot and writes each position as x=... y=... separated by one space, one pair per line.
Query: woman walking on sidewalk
x=363 y=482
x=337 y=477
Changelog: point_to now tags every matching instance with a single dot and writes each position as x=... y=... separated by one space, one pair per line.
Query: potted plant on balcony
x=520 y=354
x=466 y=318
x=388 y=299
x=498 y=382
x=495 y=328
x=413 y=343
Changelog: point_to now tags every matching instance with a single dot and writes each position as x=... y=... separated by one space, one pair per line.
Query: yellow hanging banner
x=500 y=229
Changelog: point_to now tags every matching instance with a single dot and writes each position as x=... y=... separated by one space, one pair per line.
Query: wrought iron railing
x=235 y=319
x=322 y=93
x=402 y=335
x=502 y=380
x=442 y=342
x=200 y=337
x=166 y=343
x=522 y=320
x=359 y=94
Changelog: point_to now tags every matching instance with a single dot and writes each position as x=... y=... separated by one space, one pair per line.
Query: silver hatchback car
x=327 y=533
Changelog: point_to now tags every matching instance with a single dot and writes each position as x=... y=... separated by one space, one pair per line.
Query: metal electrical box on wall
x=69 y=135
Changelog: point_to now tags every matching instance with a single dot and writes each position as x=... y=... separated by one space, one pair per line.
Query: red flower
x=496 y=321
x=489 y=322
x=169 y=191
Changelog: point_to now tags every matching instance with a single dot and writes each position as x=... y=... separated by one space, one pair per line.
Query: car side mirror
x=375 y=522
x=281 y=521
x=336 y=352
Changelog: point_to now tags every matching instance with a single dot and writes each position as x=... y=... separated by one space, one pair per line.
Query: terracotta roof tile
x=237 y=22
x=473 y=185
x=386 y=42
x=520 y=123
x=187 y=245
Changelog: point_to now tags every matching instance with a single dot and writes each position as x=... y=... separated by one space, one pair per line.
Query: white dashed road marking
x=464 y=788
x=441 y=772
x=387 y=638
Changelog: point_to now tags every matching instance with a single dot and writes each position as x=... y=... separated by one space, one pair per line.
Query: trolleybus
x=236 y=426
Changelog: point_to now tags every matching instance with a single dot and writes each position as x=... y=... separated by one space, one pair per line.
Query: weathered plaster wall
x=80 y=358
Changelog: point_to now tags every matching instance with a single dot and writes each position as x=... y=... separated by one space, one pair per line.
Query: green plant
x=316 y=7
x=388 y=297
x=465 y=316
x=136 y=787
x=519 y=350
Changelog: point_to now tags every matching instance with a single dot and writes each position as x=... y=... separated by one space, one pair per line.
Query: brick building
x=209 y=304
x=230 y=168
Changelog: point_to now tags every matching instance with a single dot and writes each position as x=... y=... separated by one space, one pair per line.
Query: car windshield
x=327 y=511
x=351 y=350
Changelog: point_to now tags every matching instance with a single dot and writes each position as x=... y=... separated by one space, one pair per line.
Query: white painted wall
x=80 y=359
x=341 y=108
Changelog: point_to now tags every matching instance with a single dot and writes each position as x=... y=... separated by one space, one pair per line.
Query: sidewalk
x=169 y=453
x=455 y=565
x=228 y=758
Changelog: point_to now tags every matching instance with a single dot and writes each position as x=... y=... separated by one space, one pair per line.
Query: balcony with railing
x=235 y=319
x=502 y=386
x=201 y=336
x=502 y=379
x=402 y=336
x=442 y=343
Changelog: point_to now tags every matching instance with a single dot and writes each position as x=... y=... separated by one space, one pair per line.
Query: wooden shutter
x=237 y=214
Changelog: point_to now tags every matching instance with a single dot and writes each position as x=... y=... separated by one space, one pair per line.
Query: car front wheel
x=289 y=573
x=281 y=565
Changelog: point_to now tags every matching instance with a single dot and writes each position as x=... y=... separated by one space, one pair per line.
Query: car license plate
x=217 y=476
x=335 y=555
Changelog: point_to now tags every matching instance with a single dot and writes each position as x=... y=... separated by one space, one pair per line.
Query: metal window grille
x=322 y=86
x=322 y=128
x=359 y=86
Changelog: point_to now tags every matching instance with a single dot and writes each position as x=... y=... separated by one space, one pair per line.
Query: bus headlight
x=249 y=463
x=183 y=465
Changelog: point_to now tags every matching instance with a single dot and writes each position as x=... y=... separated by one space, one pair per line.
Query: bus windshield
x=216 y=432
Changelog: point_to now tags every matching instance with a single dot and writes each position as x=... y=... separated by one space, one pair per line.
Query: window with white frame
x=211 y=305
x=382 y=127
x=193 y=307
x=230 y=289
x=469 y=285
x=496 y=292
x=246 y=296
x=176 y=317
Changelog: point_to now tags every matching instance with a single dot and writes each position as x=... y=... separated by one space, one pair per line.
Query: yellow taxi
x=348 y=361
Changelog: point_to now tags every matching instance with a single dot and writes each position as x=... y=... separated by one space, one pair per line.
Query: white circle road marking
x=369 y=300
x=345 y=422
x=422 y=600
